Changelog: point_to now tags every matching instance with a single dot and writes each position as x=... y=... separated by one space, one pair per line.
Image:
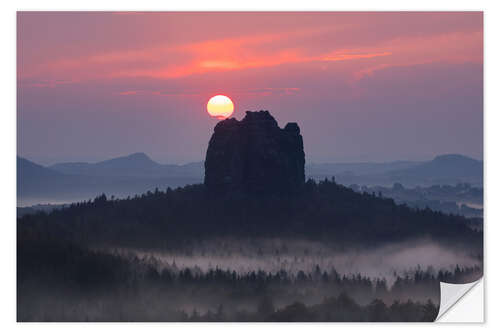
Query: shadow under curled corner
x=461 y=302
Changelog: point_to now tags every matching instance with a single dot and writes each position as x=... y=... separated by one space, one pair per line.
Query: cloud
x=280 y=91
x=175 y=61
x=450 y=48
x=45 y=83
x=361 y=47
x=129 y=92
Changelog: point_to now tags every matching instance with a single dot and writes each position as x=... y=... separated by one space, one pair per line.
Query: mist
x=273 y=255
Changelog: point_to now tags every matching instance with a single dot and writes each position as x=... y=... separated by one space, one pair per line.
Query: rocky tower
x=254 y=155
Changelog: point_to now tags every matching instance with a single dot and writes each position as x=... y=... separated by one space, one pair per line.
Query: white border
x=8 y=137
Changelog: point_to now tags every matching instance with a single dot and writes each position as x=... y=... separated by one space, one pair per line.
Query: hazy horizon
x=49 y=162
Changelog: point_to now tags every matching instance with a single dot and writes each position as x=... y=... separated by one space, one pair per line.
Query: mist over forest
x=308 y=256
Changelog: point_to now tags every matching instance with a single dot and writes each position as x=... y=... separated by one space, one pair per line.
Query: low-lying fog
x=272 y=255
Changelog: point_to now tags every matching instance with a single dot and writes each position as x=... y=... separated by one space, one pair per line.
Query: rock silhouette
x=255 y=155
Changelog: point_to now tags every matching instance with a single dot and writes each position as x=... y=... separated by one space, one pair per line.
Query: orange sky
x=86 y=70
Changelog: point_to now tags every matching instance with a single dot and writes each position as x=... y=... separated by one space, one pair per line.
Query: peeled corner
x=461 y=302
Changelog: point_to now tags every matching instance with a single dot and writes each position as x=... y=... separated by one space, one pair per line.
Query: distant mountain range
x=137 y=173
x=121 y=177
x=135 y=165
x=443 y=169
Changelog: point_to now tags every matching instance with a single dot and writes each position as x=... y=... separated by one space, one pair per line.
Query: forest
x=461 y=199
x=58 y=281
x=323 y=211
x=82 y=262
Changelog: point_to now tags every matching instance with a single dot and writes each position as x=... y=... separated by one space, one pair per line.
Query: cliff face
x=254 y=155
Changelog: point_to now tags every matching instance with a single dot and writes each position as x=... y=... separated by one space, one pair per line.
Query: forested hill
x=323 y=211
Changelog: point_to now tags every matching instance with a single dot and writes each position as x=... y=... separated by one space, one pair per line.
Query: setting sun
x=220 y=107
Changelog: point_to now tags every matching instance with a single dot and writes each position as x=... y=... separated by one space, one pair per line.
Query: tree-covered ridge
x=323 y=211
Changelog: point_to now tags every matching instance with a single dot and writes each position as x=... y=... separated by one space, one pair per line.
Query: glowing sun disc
x=220 y=107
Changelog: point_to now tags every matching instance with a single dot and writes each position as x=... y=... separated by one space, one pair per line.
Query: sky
x=363 y=86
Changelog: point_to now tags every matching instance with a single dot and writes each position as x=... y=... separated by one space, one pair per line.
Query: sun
x=220 y=107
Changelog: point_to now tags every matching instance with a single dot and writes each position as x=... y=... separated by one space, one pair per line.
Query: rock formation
x=255 y=155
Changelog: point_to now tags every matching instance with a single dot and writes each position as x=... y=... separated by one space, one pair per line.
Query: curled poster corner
x=455 y=302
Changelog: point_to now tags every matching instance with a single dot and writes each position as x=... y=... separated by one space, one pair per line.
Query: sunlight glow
x=220 y=107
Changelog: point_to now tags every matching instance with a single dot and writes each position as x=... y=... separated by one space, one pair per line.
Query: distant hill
x=34 y=179
x=134 y=165
x=121 y=177
x=21 y=211
x=33 y=172
x=138 y=173
x=443 y=169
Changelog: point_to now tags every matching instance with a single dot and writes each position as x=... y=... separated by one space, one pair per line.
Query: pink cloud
x=360 y=43
x=186 y=92
x=49 y=83
x=451 y=48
